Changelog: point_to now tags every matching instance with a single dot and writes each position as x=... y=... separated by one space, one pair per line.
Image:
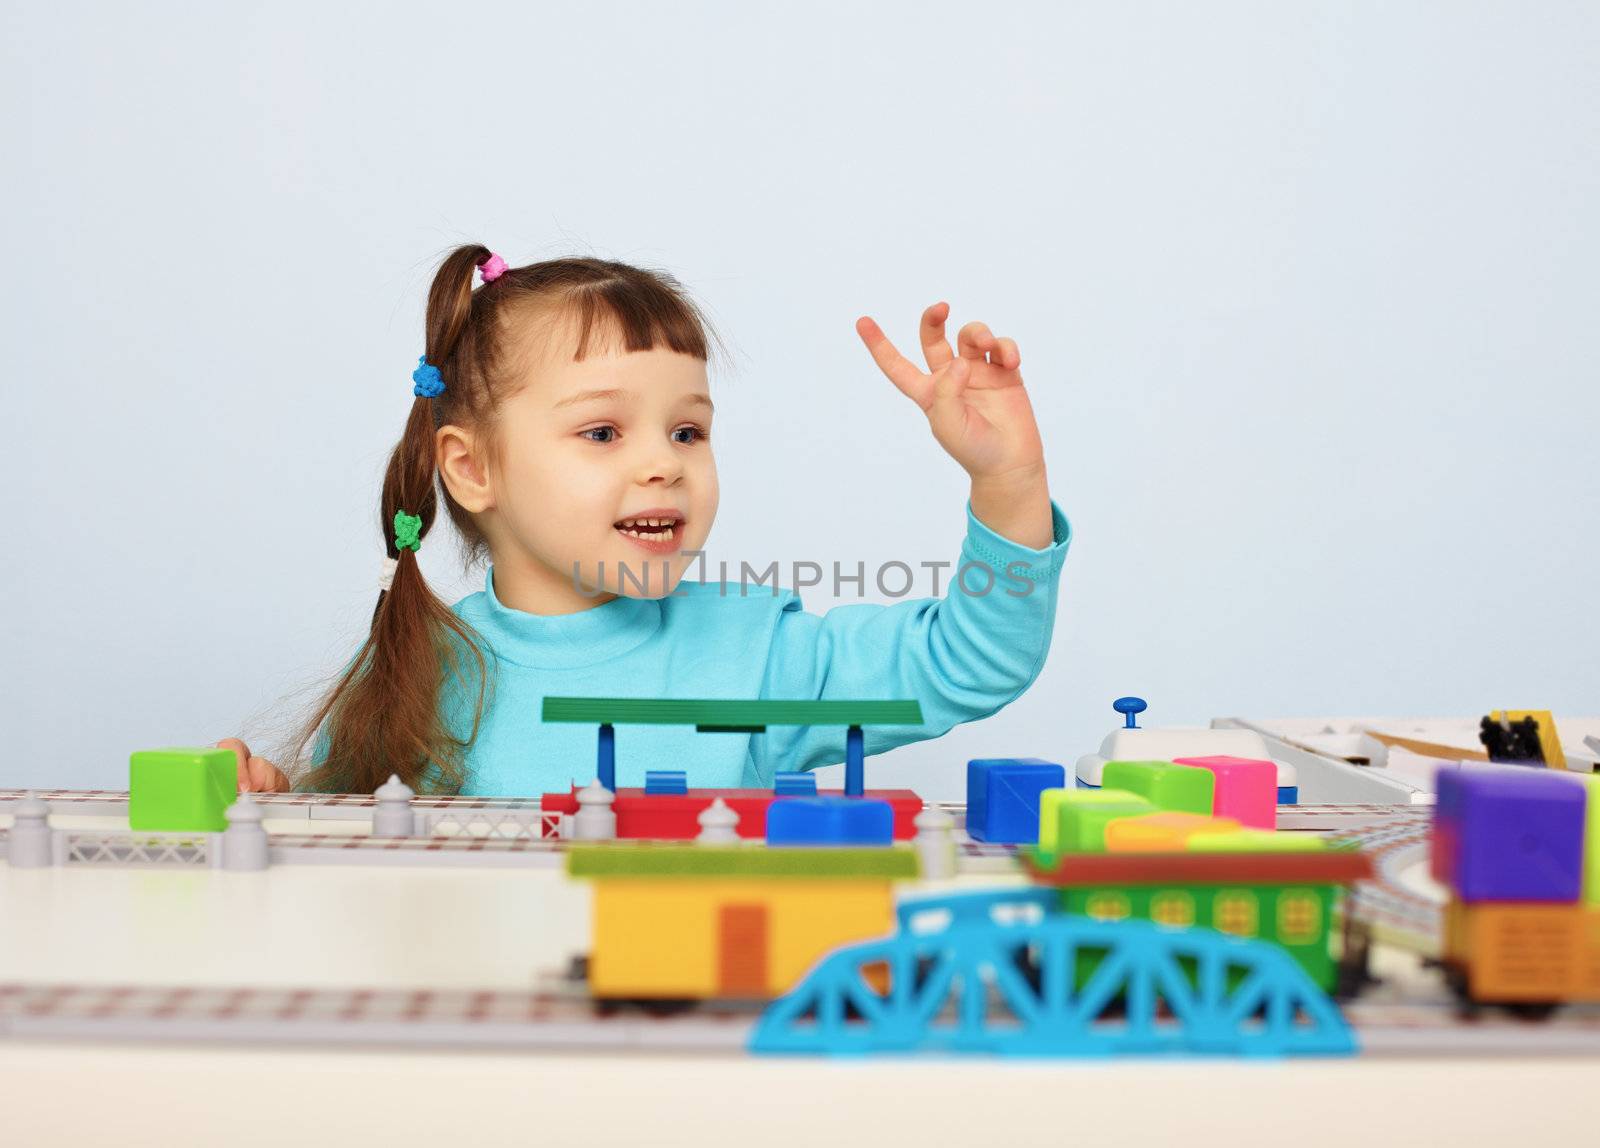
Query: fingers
x=935 y=347
x=975 y=340
x=266 y=777
x=242 y=752
x=902 y=371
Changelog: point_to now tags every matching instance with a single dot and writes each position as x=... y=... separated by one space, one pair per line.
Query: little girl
x=563 y=408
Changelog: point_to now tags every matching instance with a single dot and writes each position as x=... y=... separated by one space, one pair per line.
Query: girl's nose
x=661 y=466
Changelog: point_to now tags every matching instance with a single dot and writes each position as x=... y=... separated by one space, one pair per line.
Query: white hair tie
x=386 y=575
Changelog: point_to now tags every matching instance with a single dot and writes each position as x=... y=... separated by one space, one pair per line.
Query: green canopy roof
x=658 y=860
x=713 y=714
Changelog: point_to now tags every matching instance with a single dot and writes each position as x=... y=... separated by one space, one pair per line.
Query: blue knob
x=1129 y=708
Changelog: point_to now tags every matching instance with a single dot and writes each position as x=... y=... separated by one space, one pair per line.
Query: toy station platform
x=142 y=979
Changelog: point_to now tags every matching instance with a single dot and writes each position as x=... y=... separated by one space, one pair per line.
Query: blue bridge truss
x=1004 y=972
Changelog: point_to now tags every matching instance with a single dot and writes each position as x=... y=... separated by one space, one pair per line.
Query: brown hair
x=383 y=714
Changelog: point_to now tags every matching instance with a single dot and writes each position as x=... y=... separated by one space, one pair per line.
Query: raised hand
x=976 y=404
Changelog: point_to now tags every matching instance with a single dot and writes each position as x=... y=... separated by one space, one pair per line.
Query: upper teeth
x=647 y=522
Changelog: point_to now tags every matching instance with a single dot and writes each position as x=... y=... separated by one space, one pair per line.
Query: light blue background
x=1306 y=297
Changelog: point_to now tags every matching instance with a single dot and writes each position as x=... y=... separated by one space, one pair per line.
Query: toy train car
x=1519 y=850
x=694 y=922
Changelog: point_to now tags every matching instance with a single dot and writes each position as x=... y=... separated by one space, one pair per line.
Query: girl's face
x=605 y=479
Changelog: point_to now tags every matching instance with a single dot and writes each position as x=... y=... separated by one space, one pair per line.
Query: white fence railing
x=506 y=824
x=73 y=847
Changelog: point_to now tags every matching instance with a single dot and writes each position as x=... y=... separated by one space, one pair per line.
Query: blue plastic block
x=1511 y=834
x=660 y=781
x=1003 y=797
x=786 y=783
x=829 y=821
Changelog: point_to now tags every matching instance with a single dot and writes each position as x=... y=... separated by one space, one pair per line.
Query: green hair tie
x=407 y=531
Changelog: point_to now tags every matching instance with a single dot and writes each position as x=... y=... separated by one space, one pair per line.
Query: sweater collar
x=565 y=640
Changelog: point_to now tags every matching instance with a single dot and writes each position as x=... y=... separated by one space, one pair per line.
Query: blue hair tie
x=429 y=382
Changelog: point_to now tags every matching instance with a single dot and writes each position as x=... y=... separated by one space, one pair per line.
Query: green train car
x=1286 y=898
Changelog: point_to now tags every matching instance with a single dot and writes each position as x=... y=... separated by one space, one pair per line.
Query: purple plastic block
x=1509 y=834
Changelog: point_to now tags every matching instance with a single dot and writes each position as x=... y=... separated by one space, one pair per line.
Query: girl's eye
x=685 y=436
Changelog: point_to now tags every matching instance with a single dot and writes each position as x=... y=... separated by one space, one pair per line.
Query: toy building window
x=1172 y=907
x=1234 y=911
x=1299 y=916
x=1107 y=905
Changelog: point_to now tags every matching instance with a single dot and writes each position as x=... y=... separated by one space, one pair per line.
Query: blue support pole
x=606 y=766
x=855 y=762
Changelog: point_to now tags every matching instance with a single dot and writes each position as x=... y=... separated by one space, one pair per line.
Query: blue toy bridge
x=1004 y=972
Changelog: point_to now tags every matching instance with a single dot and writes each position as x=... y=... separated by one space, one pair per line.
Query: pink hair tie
x=492 y=268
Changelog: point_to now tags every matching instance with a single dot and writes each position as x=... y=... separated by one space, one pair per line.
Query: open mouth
x=650 y=529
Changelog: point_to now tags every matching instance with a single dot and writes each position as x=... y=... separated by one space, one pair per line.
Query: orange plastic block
x=1525 y=951
x=1162 y=832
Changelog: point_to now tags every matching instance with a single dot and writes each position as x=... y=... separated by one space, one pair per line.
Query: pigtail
x=384 y=716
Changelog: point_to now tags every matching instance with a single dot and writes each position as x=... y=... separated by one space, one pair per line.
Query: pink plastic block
x=1247 y=788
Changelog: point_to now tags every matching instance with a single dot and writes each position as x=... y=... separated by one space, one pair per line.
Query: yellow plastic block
x=663 y=937
x=1162 y=832
x=1256 y=841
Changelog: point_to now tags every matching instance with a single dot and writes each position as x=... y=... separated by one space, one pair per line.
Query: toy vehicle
x=1530 y=958
x=1519 y=849
x=680 y=923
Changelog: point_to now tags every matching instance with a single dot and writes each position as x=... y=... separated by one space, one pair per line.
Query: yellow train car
x=677 y=922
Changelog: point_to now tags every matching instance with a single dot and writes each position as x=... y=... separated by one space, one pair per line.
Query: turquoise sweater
x=962 y=656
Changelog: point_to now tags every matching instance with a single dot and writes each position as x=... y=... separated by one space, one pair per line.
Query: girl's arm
x=964 y=655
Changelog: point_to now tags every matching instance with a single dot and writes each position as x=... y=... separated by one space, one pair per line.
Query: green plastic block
x=1074 y=820
x=1256 y=841
x=1171 y=788
x=181 y=790
x=1591 y=838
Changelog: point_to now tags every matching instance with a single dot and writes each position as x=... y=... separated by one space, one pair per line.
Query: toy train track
x=546 y=1019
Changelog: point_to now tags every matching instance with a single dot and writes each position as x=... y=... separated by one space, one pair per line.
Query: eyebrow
x=613 y=393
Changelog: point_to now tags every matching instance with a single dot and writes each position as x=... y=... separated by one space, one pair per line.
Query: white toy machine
x=1134 y=743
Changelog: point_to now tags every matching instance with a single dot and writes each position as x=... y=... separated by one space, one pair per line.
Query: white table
x=501 y=929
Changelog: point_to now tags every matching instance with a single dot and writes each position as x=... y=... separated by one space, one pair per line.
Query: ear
x=462 y=469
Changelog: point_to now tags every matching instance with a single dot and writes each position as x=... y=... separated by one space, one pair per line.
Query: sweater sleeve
x=963 y=656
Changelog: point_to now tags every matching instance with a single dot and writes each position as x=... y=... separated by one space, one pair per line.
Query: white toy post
x=29 y=840
x=718 y=824
x=394 y=816
x=935 y=844
x=595 y=820
x=244 y=842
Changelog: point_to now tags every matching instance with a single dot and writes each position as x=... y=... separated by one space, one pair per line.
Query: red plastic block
x=674 y=816
x=1247 y=788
